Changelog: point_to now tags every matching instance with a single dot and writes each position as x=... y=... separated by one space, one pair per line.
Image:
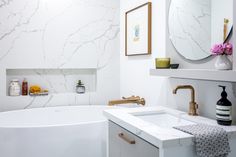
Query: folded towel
x=210 y=141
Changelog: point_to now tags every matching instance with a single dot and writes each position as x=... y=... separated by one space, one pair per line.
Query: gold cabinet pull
x=122 y=136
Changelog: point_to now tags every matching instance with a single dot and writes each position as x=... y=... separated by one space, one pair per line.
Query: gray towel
x=210 y=141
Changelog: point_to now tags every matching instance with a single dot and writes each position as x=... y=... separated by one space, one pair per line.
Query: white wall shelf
x=196 y=74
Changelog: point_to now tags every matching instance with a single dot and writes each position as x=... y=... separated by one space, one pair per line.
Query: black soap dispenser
x=224 y=109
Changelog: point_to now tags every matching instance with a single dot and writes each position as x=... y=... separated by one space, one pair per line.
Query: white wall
x=64 y=34
x=207 y=92
x=234 y=32
x=218 y=18
x=41 y=30
x=135 y=78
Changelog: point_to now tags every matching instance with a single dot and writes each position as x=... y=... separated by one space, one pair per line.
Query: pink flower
x=222 y=49
x=217 y=49
x=228 y=48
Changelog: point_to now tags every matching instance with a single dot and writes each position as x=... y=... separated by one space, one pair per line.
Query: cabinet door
x=122 y=143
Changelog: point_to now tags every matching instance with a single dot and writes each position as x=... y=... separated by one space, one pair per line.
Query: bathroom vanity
x=148 y=131
x=123 y=143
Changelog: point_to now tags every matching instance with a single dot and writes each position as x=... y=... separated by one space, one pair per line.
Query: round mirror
x=195 y=25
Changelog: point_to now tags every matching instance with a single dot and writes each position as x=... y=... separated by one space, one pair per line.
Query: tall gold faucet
x=132 y=99
x=192 y=104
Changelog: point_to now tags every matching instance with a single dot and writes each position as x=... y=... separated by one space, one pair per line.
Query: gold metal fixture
x=122 y=136
x=226 y=21
x=192 y=104
x=132 y=99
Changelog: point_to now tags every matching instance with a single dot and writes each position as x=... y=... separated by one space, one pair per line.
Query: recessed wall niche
x=55 y=80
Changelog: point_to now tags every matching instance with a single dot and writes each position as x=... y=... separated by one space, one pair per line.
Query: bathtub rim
x=57 y=125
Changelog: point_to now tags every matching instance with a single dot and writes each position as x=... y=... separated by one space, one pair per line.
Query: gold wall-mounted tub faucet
x=192 y=104
x=124 y=100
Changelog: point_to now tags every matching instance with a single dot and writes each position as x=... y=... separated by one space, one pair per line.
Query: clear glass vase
x=223 y=63
x=80 y=89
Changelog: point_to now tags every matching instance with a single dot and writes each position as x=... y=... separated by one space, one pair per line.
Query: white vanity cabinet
x=123 y=143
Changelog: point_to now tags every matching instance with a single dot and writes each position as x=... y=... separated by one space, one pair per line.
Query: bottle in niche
x=14 y=88
x=24 y=87
x=224 y=109
x=80 y=88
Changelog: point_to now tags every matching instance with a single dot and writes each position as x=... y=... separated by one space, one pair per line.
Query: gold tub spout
x=132 y=99
x=192 y=104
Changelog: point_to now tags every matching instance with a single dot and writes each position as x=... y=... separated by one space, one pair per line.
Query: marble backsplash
x=62 y=34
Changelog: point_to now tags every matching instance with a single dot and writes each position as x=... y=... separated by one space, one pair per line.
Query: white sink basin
x=165 y=120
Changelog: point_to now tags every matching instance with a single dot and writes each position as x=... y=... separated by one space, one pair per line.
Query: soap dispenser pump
x=224 y=109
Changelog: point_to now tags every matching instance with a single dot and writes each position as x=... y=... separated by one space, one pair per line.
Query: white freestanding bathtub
x=71 y=131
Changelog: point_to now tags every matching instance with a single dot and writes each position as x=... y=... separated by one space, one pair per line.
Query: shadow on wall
x=207 y=94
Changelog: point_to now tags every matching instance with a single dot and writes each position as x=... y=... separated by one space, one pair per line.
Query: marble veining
x=4 y=3
x=65 y=34
x=13 y=24
x=30 y=103
x=190 y=27
x=161 y=137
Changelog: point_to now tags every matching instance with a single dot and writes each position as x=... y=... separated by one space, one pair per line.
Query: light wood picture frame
x=138 y=30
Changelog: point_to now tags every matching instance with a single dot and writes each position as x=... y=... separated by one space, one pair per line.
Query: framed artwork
x=138 y=31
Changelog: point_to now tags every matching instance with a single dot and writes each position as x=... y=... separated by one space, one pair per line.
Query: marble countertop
x=159 y=136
